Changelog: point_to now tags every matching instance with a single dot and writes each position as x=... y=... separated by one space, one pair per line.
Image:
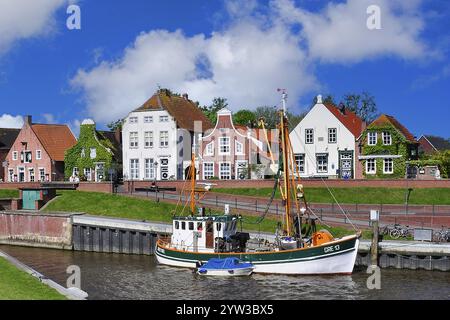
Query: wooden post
x=374 y=218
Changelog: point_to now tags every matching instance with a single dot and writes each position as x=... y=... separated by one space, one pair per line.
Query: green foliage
x=444 y=162
x=211 y=111
x=88 y=139
x=269 y=114
x=7 y=194
x=363 y=105
x=245 y=118
x=115 y=125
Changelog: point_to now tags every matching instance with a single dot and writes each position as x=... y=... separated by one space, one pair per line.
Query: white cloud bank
x=251 y=57
x=21 y=19
x=9 y=121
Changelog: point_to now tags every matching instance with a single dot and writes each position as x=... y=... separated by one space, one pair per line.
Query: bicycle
x=399 y=231
x=442 y=235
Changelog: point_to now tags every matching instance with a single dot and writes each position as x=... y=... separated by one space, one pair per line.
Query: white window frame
x=148 y=119
x=163 y=118
x=83 y=153
x=220 y=170
x=134 y=119
x=88 y=173
x=148 y=139
x=19 y=170
x=298 y=161
x=321 y=165
x=164 y=139
x=384 y=166
x=236 y=144
x=209 y=149
x=15 y=155
x=134 y=170
x=309 y=136
x=149 y=169
x=385 y=135
x=205 y=175
x=11 y=175
x=25 y=160
x=41 y=174
x=134 y=140
x=374 y=171
x=38 y=154
x=75 y=171
x=372 y=136
x=93 y=153
x=331 y=134
x=225 y=145
x=238 y=166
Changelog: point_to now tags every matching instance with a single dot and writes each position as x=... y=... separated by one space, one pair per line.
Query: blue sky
x=240 y=50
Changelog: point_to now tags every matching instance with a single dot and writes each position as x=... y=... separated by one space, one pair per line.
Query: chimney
x=185 y=96
x=27 y=120
x=342 y=108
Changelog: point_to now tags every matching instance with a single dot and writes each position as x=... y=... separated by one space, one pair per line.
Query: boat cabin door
x=209 y=234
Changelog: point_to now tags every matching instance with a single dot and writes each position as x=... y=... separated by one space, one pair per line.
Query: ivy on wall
x=89 y=138
x=399 y=146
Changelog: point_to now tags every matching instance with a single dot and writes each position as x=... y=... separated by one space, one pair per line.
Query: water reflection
x=109 y=276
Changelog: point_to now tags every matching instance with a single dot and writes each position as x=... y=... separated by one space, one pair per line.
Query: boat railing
x=169 y=245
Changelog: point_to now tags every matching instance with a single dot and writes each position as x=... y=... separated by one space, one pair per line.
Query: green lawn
x=17 y=285
x=117 y=206
x=9 y=193
x=438 y=196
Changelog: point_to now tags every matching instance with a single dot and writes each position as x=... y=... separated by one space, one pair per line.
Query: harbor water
x=114 y=276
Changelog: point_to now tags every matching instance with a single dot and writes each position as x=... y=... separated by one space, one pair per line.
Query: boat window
x=209 y=226
x=199 y=226
x=226 y=226
x=177 y=225
x=191 y=226
x=218 y=226
x=183 y=225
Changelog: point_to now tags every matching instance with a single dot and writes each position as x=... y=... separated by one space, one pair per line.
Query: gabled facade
x=157 y=137
x=7 y=138
x=229 y=152
x=324 y=142
x=385 y=147
x=95 y=153
x=38 y=153
x=430 y=145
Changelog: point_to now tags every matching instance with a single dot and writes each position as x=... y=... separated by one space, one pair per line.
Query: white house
x=157 y=137
x=324 y=141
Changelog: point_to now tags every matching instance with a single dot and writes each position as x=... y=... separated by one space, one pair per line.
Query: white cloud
x=49 y=118
x=339 y=32
x=253 y=55
x=21 y=19
x=9 y=121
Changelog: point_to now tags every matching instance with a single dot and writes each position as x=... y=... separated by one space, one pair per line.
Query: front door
x=99 y=172
x=241 y=170
x=346 y=165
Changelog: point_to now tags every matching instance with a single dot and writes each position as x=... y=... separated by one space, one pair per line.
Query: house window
x=11 y=175
x=163 y=118
x=134 y=169
x=300 y=162
x=208 y=170
x=93 y=153
x=15 y=155
x=332 y=135
x=322 y=162
x=210 y=149
x=164 y=139
x=75 y=172
x=239 y=148
x=148 y=139
x=371 y=166
x=133 y=139
x=387 y=139
x=191 y=225
x=41 y=175
x=38 y=154
x=224 y=145
x=372 y=138
x=309 y=136
x=388 y=166
x=133 y=119
x=28 y=156
x=148 y=119
x=31 y=175
x=149 y=171
x=83 y=153
x=225 y=171
x=88 y=174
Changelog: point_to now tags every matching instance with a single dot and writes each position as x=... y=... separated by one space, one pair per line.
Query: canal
x=114 y=276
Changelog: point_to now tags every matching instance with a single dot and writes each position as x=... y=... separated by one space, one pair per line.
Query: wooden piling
x=374 y=246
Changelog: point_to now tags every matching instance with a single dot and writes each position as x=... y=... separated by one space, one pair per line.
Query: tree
x=245 y=118
x=294 y=119
x=211 y=111
x=270 y=116
x=329 y=99
x=115 y=125
x=363 y=105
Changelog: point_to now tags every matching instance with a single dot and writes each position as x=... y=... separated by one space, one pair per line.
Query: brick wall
x=104 y=187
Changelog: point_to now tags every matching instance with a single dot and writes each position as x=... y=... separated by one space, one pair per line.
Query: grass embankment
x=437 y=196
x=117 y=206
x=16 y=284
x=6 y=193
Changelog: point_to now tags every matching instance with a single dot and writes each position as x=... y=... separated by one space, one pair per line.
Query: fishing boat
x=225 y=267
x=298 y=249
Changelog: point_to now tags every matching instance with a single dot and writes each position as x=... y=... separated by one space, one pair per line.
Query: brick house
x=227 y=151
x=37 y=153
x=384 y=148
x=430 y=145
x=7 y=138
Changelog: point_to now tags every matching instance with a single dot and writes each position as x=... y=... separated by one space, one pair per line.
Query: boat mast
x=285 y=149
x=192 y=173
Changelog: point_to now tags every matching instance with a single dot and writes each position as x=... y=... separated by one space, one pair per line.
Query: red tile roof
x=387 y=119
x=182 y=109
x=56 y=139
x=350 y=120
